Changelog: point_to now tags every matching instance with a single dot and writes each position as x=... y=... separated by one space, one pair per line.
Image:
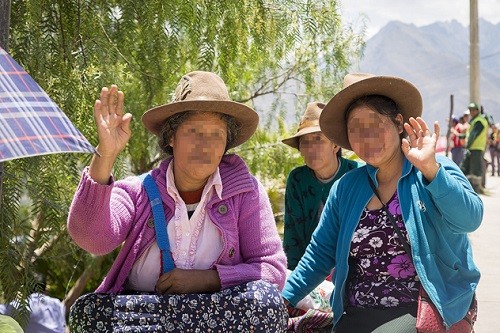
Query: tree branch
x=46 y=246
x=79 y=286
x=122 y=56
x=284 y=77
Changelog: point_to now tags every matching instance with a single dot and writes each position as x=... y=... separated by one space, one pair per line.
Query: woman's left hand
x=188 y=281
x=420 y=149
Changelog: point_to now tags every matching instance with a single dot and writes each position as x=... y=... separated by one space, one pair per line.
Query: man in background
x=477 y=138
x=458 y=134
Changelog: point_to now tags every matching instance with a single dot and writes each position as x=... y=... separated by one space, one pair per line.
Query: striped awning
x=31 y=123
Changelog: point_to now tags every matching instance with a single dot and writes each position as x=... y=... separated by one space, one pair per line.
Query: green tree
x=73 y=48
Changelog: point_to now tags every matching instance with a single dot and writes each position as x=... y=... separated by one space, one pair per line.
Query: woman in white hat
x=199 y=245
x=396 y=227
x=307 y=186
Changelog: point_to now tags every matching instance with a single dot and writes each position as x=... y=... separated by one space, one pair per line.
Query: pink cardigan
x=104 y=217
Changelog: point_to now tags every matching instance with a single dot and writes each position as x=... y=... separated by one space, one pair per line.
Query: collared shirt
x=195 y=242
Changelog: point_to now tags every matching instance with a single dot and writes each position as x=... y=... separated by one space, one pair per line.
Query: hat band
x=306 y=124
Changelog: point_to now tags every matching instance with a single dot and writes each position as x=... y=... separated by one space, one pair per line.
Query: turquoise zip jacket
x=437 y=215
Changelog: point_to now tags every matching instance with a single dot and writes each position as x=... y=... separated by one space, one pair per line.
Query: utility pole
x=474 y=71
x=450 y=125
x=4 y=44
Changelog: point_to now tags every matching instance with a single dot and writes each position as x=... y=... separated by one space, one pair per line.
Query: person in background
x=201 y=251
x=466 y=118
x=458 y=133
x=473 y=165
x=493 y=148
x=307 y=186
x=47 y=314
x=405 y=197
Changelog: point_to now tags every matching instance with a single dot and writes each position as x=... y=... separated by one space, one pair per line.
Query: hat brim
x=293 y=141
x=246 y=117
x=333 y=122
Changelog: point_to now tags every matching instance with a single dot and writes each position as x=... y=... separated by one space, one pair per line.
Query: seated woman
x=307 y=189
x=307 y=186
x=208 y=258
x=397 y=227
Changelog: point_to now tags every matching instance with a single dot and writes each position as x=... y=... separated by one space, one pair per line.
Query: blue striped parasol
x=31 y=123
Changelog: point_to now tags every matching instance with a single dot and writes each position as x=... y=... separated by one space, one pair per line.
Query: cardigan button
x=151 y=223
x=231 y=252
x=421 y=206
x=222 y=209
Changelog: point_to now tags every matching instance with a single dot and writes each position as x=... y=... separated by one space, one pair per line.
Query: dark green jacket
x=304 y=200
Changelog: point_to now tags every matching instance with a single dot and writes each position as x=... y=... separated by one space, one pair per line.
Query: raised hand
x=113 y=127
x=420 y=147
x=113 y=130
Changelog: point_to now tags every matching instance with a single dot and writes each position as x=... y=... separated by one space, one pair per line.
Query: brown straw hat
x=332 y=120
x=309 y=123
x=203 y=91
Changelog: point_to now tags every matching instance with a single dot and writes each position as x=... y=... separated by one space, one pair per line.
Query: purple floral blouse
x=381 y=272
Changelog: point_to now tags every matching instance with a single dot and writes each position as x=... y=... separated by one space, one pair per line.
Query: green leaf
x=9 y=325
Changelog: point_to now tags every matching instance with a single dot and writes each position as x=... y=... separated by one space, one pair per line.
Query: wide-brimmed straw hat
x=203 y=91
x=309 y=123
x=333 y=122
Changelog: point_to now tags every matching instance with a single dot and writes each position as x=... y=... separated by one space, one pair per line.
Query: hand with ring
x=420 y=147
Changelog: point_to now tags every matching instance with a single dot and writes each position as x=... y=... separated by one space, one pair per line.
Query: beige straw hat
x=203 y=91
x=333 y=122
x=309 y=123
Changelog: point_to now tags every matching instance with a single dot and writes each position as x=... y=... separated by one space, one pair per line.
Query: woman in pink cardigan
x=209 y=256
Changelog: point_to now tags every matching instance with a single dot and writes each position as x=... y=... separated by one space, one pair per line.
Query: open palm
x=420 y=147
x=113 y=127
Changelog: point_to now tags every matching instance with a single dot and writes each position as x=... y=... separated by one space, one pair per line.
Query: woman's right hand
x=113 y=130
x=113 y=127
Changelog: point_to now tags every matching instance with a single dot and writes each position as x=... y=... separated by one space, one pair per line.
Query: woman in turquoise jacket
x=432 y=202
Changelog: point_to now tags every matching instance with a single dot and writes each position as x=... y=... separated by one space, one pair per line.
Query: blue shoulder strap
x=159 y=221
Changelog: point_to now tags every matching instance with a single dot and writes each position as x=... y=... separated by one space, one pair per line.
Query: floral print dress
x=255 y=306
x=381 y=273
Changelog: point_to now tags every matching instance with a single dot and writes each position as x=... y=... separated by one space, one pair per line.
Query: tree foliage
x=73 y=48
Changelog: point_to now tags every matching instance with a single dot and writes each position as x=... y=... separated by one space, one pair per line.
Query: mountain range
x=435 y=58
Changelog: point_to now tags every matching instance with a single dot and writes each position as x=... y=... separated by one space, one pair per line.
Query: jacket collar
x=234 y=173
x=372 y=171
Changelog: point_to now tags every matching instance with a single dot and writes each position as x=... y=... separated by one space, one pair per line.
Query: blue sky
x=377 y=13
